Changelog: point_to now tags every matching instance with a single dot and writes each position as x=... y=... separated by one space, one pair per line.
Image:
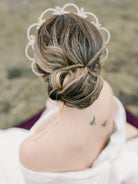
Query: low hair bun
x=74 y=88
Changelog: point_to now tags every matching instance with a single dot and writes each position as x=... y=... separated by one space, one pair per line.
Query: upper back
x=75 y=140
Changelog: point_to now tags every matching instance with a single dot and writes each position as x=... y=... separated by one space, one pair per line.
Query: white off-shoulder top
x=115 y=163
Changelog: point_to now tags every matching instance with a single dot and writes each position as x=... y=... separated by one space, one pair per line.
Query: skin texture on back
x=81 y=135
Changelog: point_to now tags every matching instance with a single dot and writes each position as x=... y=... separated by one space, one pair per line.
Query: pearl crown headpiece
x=59 y=11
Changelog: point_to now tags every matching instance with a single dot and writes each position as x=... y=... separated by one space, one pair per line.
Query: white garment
x=118 y=160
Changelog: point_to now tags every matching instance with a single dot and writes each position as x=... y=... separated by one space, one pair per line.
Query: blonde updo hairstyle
x=67 y=51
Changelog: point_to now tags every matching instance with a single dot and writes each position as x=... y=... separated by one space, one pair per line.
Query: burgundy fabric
x=30 y=122
x=131 y=119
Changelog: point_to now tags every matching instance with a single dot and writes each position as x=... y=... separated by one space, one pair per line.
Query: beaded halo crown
x=59 y=11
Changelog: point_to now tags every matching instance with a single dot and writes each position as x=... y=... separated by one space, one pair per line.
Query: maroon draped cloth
x=30 y=122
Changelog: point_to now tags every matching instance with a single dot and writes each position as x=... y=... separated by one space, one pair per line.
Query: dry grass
x=23 y=94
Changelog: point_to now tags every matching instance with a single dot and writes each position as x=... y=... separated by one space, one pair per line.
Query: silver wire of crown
x=59 y=11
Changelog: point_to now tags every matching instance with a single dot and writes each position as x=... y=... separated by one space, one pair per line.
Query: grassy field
x=23 y=94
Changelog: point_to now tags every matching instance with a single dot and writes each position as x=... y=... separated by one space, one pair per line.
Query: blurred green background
x=22 y=94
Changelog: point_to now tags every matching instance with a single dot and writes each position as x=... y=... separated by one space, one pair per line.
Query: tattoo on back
x=104 y=124
x=93 y=121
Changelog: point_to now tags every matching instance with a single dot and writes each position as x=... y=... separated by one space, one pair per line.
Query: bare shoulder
x=111 y=94
x=108 y=87
x=47 y=154
x=35 y=154
x=107 y=103
x=106 y=97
